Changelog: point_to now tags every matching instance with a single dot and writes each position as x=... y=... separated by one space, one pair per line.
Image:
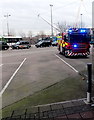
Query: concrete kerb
x=61 y=102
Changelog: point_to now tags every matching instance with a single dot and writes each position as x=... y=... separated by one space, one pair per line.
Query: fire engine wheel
x=85 y=56
x=60 y=49
x=63 y=51
x=17 y=47
x=66 y=53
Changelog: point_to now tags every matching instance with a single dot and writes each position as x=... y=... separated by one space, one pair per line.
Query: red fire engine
x=75 y=42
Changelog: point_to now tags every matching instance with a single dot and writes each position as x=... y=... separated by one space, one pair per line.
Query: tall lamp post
x=81 y=20
x=7 y=15
x=51 y=21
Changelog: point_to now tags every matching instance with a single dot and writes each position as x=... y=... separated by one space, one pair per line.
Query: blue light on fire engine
x=70 y=31
x=75 y=46
x=77 y=30
x=82 y=31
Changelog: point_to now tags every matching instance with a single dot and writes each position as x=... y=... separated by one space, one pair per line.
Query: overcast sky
x=24 y=14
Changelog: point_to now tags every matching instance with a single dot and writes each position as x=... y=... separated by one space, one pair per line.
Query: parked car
x=3 y=45
x=21 y=45
x=43 y=43
x=54 y=43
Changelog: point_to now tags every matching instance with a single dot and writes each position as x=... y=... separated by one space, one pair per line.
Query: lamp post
x=51 y=21
x=81 y=20
x=7 y=15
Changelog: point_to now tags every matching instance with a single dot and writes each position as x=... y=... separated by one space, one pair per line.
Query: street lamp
x=7 y=23
x=81 y=20
x=51 y=20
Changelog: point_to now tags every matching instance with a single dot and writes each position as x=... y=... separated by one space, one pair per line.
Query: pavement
x=69 y=110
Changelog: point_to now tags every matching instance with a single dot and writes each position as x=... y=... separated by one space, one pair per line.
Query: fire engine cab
x=75 y=42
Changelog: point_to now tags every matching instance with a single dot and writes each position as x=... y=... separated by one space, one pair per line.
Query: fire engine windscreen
x=79 y=38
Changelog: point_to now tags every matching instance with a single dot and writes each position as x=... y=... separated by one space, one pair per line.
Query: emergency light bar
x=82 y=31
x=73 y=30
x=76 y=30
x=70 y=31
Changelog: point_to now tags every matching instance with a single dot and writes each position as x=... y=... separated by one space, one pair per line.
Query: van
x=21 y=45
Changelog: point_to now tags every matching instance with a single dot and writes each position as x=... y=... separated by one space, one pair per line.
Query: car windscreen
x=17 y=43
x=40 y=42
x=3 y=43
x=25 y=43
x=79 y=38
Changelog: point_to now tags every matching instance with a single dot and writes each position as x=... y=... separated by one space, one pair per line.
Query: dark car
x=3 y=45
x=43 y=43
x=21 y=45
x=54 y=43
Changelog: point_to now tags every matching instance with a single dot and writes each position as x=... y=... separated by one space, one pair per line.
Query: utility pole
x=51 y=21
x=7 y=23
x=81 y=20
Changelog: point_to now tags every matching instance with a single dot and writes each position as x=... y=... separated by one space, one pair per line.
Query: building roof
x=12 y=37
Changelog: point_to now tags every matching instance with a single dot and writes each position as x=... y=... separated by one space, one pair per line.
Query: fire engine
x=76 y=41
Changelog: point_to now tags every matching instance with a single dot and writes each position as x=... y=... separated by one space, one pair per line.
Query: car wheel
x=27 y=47
x=6 y=48
x=17 y=47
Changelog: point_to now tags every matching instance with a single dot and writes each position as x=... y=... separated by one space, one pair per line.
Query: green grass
x=68 y=89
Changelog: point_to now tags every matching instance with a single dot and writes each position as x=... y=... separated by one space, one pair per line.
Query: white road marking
x=67 y=63
x=1 y=65
x=2 y=91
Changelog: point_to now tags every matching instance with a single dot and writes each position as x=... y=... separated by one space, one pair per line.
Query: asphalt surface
x=27 y=71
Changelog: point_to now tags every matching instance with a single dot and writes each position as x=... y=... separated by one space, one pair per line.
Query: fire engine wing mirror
x=65 y=39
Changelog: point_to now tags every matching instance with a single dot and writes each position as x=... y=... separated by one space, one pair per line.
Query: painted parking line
x=67 y=63
x=2 y=91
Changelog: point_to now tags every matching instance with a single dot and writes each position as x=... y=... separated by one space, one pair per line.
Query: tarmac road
x=27 y=71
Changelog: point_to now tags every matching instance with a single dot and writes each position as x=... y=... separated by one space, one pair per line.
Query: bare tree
x=64 y=26
x=22 y=34
x=30 y=36
x=79 y=25
x=12 y=32
x=42 y=34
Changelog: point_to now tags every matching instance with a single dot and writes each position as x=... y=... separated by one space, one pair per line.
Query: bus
x=11 y=39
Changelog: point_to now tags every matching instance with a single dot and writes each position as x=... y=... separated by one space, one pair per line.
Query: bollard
x=89 y=82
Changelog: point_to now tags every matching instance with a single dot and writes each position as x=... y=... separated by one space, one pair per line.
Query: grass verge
x=67 y=89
